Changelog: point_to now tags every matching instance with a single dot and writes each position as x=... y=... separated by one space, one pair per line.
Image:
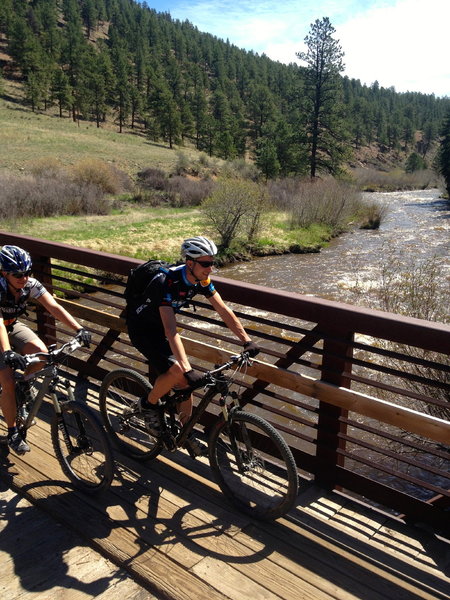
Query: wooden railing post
x=46 y=324
x=337 y=361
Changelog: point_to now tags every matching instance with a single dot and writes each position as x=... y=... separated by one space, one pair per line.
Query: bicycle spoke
x=119 y=394
x=82 y=448
x=253 y=466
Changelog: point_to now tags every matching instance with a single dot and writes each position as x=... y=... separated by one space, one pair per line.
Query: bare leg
x=8 y=397
x=165 y=382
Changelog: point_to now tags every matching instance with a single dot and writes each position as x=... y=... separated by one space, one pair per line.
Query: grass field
x=26 y=136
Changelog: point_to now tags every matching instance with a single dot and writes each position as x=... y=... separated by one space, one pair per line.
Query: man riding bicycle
x=152 y=328
x=16 y=339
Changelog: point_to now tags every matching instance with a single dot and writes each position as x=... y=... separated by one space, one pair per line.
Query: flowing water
x=416 y=225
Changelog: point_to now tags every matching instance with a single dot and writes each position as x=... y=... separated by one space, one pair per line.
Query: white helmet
x=198 y=246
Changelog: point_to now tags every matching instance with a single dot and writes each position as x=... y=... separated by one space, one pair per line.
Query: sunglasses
x=205 y=263
x=20 y=274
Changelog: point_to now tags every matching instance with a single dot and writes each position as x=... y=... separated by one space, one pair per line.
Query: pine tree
x=266 y=158
x=324 y=121
x=444 y=154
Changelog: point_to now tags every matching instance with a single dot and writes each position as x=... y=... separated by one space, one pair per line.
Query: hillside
x=123 y=69
x=29 y=137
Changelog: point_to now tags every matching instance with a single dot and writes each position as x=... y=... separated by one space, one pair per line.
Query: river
x=416 y=226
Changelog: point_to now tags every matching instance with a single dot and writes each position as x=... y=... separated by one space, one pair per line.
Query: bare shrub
x=153 y=179
x=25 y=197
x=373 y=214
x=190 y=192
x=47 y=167
x=371 y=180
x=241 y=168
x=147 y=197
x=326 y=201
x=416 y=288
x=235 y=208
x=202 y=166
x=99 y=173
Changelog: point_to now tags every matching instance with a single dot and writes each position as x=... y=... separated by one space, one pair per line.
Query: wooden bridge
x=353 y=392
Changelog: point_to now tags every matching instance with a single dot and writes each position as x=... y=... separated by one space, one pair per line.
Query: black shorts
x=153 y=344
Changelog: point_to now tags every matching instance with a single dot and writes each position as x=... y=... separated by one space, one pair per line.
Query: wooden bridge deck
x=164 y=530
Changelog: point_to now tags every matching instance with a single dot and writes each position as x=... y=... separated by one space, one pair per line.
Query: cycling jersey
x=10 y=308
x=170 y=288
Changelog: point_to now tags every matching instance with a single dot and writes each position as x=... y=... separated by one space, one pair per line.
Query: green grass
x=26 y=137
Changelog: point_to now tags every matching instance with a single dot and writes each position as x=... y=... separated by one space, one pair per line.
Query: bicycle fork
x=82 y=440
x=237 y=432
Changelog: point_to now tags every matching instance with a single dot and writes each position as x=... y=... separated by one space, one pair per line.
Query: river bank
x=416 y=227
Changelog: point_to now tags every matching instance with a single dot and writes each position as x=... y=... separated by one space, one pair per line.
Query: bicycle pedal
x=195 y=448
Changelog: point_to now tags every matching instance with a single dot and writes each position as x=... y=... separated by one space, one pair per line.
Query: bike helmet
x=196 y=247
x=13 y=258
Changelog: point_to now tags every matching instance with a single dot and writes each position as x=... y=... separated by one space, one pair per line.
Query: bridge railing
x=361 y=396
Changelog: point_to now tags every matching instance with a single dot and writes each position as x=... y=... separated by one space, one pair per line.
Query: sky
x=399 y=43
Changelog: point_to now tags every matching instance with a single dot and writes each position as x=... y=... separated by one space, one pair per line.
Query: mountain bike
x=80 y=443
x=251 y=462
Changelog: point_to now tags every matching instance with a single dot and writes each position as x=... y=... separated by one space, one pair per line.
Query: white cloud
x=400 y=43
x=404 y=46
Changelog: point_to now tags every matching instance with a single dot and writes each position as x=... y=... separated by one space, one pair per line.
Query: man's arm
x=228 y=317
x=173 y=337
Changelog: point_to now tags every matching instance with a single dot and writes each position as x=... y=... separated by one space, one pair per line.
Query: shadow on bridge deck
x=164 y=530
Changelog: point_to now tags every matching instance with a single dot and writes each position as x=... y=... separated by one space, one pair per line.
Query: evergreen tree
x=121 y=92
x=266 y=157
x=167 y=113
x=261 y=108
x=6 y=14
x=324 y=120
x=231 y=101
x=414 y=163
x=61 y=91
x=444 y=154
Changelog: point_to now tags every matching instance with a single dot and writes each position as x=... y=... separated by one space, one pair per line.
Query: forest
x=121 y=62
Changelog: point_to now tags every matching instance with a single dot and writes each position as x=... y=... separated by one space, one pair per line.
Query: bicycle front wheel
x=119 y=394
x=82 y=447
x=253 y=466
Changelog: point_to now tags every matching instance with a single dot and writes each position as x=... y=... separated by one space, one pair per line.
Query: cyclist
x=153 y=330
x=16 y=339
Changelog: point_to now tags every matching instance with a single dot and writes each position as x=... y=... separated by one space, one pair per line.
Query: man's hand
x=194 y=377
x=251 y=348
x=84 y=336
x=14 y=360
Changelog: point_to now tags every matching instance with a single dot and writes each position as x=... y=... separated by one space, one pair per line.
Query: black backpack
x=140 y=277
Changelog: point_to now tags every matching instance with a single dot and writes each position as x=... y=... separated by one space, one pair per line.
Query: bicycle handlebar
x=52 y=356
x=236 y=359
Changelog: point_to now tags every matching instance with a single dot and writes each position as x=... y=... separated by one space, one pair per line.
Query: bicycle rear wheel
x=119 y=394
x=253 y=466
x=82 y=447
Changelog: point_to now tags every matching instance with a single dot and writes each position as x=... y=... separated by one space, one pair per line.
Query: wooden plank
x=231 y=583
x=149 y=566
x=120 y=544
x=204 y=537
x=70 y=570
x=284 y=560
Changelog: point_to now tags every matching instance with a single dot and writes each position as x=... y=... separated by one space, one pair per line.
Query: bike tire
x=119 y=393
x=267 y=485
x=89 y=461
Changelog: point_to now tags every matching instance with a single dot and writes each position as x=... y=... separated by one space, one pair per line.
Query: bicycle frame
x=216 y=384
x=79 y=442
x=250 y=461
x=50 y=381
